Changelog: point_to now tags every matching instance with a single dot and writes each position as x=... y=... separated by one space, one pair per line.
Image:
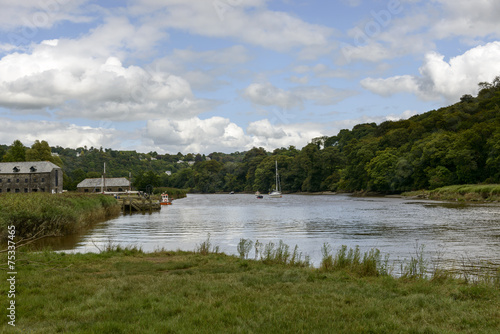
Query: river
x=449 y=232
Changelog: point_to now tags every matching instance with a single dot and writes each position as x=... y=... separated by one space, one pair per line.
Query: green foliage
x=16 y=152
x=41 y=151
x=53 y=214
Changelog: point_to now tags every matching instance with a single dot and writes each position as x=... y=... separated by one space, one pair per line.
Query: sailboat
x=276 y=193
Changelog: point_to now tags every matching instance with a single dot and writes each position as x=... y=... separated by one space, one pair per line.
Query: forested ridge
x=459 y=144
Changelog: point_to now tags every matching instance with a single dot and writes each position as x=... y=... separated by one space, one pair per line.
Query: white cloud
x=271 y=136
x=441 y=79
x=392 y=85
x=37 y=14
x=323 y=71
x=265 y=94
x=417 y=27
x=322 y=95
x=204 y=70
x=59 y=134
x=467 y=18
x=196 y=135
x=246 y=21
x=264 y=129
x=84 y=82
x=218 y=134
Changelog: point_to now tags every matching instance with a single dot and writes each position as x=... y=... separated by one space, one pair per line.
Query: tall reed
x=351 y=260
x=53 y=214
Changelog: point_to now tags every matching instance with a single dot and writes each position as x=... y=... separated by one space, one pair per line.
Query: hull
x=275 y=194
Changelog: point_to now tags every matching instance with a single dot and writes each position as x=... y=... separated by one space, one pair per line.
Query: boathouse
x=30 y=176
x=115 y=185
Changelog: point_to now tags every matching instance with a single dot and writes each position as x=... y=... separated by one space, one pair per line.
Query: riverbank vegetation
x=173 y=193
x=455 y=145
x=129 y=291
x=462 y=193
x=43 y=214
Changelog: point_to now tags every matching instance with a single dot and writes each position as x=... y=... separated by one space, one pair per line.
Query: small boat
x=164 y=200
x=231 y=193
x=258 y=195
x=276 y=193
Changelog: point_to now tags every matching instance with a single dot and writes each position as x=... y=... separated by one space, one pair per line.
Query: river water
x=450 y=232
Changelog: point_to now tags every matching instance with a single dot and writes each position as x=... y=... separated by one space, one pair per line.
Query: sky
x=202 y=76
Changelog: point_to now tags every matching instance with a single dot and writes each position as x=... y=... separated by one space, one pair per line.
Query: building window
x=0 y=180
x=0 y=190
x=25 y=180
x=25 y=190
x=34 y=190
x=18 y=191
x=8 y=190
x=86 y=191
x=8 y=180
x=42 y=190
x=17 y=180
x=35 y=180
x=57 y=178
x=43 y=179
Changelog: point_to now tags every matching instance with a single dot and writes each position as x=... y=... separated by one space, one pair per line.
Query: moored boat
x=276 y=193
x=165 y=200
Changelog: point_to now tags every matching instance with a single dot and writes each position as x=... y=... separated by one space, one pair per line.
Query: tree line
x=458 y=144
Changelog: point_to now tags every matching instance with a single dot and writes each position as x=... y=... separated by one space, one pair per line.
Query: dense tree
x=16 y=152
x=41 y=151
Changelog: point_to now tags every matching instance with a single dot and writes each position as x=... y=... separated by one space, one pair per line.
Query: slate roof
x=31 y=167
x=110 y=182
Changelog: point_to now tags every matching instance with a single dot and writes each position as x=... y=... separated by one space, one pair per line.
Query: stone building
x=30 y=176
x=117 y=184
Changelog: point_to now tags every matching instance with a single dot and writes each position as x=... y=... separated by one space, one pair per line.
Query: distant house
x=117 y=184
x=31 y=176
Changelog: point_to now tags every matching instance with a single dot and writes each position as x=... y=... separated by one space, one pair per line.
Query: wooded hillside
x=459 y=144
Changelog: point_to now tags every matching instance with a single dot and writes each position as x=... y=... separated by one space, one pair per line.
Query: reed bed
x=53 y=214
x=487 y=192
x=466 y=192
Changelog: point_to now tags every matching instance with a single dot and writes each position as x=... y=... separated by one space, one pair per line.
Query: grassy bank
x=128 y=291
x=53 y=214
x=468 y=193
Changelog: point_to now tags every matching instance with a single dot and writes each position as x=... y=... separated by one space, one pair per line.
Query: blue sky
x=226 y=75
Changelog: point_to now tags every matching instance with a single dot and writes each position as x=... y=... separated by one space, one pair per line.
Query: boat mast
x=103 y=188
x=277 y=187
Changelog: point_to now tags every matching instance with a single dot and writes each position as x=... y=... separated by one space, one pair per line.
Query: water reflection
x=393 y=225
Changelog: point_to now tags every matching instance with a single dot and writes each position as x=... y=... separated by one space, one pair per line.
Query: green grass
x=128 y=291
x=467 y=192
x=53 y=214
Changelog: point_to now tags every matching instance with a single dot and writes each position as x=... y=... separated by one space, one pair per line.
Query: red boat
x=164 y=200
